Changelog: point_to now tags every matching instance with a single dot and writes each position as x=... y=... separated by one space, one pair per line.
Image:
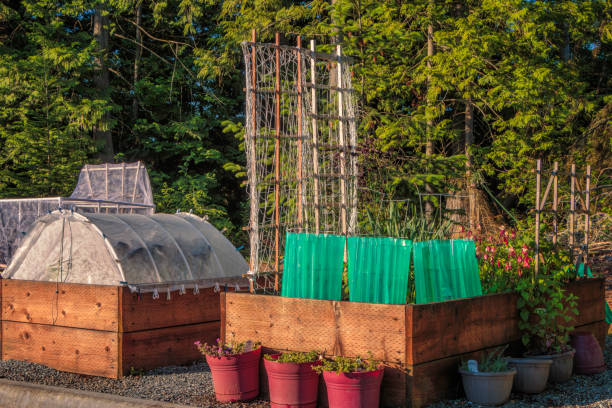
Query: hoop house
x=100 y=294
x=146 y=252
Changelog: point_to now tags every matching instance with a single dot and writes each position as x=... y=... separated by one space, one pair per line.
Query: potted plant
x=545 y=315
x=234 y=368
x=292 y=380
x=490 y=381
x=352 y=382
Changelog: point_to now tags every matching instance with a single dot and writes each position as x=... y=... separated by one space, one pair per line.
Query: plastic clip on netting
x=378 y=269
x=445 y=270
x=313 y=266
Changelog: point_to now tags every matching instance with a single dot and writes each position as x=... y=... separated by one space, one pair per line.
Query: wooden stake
x=277 y=167
x=572 y=211
x=315 y=137
x=587 y=215
x=253 y=221
x=300 y=219
x=342 y=142
x=537 y=220
x=555 y=199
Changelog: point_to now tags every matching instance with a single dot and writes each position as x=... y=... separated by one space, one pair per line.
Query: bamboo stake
x=572 y=211
x=555 y=199
x=315 y=137
x=253 y=221
x=342 y=141
x=537 y=220
x=277 y=167
x=135 y=184
x=587 y=215
x=300 y=219
x=106 y=181
x=550 y=183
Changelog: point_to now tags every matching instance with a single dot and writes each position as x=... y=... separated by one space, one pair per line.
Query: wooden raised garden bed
x=103 y=330
x=421 y=344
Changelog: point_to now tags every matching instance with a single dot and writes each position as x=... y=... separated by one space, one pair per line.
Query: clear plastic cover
x=118 y=182
x=143 y=251
x=122 y=188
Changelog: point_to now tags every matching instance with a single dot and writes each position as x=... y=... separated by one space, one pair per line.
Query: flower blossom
x=511 y=251
x=525 y=249
x=508 y=266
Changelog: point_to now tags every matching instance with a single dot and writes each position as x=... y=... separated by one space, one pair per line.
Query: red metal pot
x=589 y=357
x=235 y=378
x=353 y=390
x=292 y=385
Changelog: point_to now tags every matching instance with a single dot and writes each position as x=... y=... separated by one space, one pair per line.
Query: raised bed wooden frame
x=103 y=330
x=422 y=345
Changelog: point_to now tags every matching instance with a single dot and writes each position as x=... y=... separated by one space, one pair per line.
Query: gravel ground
x=584 y=391
x=192 y=385
x=189 y=385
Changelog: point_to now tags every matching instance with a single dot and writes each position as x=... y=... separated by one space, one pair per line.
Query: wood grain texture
x=63 y=348
x=169 y=346
x=338 y=328
x=145 y=313
x=591 y=297
x=442 y=329
x=222 y=315
x=65 y=304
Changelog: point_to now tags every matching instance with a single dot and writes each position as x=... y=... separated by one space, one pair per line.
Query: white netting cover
x=105 y=188
x=119 y=182
x=146 y=252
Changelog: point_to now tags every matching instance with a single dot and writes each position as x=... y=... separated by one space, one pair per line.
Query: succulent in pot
x=292 y=380
x=352 y=382
x=234 y=367
x=488 y=382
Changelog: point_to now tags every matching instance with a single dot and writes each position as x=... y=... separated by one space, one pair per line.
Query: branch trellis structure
x=300 y=143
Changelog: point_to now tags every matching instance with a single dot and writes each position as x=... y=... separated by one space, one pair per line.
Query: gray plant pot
x=531 y=374
x=562 y=366
x=488 y=388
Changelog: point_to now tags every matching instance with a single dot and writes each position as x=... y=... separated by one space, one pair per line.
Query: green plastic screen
x=445 y=269
x=313 y=266
x=378 y=269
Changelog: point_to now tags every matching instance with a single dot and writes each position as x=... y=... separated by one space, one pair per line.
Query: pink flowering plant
x=503 y=259
x=226 y=349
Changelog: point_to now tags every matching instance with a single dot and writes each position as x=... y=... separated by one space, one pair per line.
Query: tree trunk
x=469 y=141
x=101 y=134
x=137 y=59
x=429 y=130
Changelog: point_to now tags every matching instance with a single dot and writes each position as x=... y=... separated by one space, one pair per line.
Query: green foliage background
x=537 y=73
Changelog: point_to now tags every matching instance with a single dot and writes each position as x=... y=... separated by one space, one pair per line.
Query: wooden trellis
x=553 y=182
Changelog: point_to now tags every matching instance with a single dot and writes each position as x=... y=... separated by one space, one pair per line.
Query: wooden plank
x=75 y=350
x=169 y=346
x=485 y=321
x=222 y=315
x=338 y=328
x=591 y=296
x=63 y=304
x=145 y=313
